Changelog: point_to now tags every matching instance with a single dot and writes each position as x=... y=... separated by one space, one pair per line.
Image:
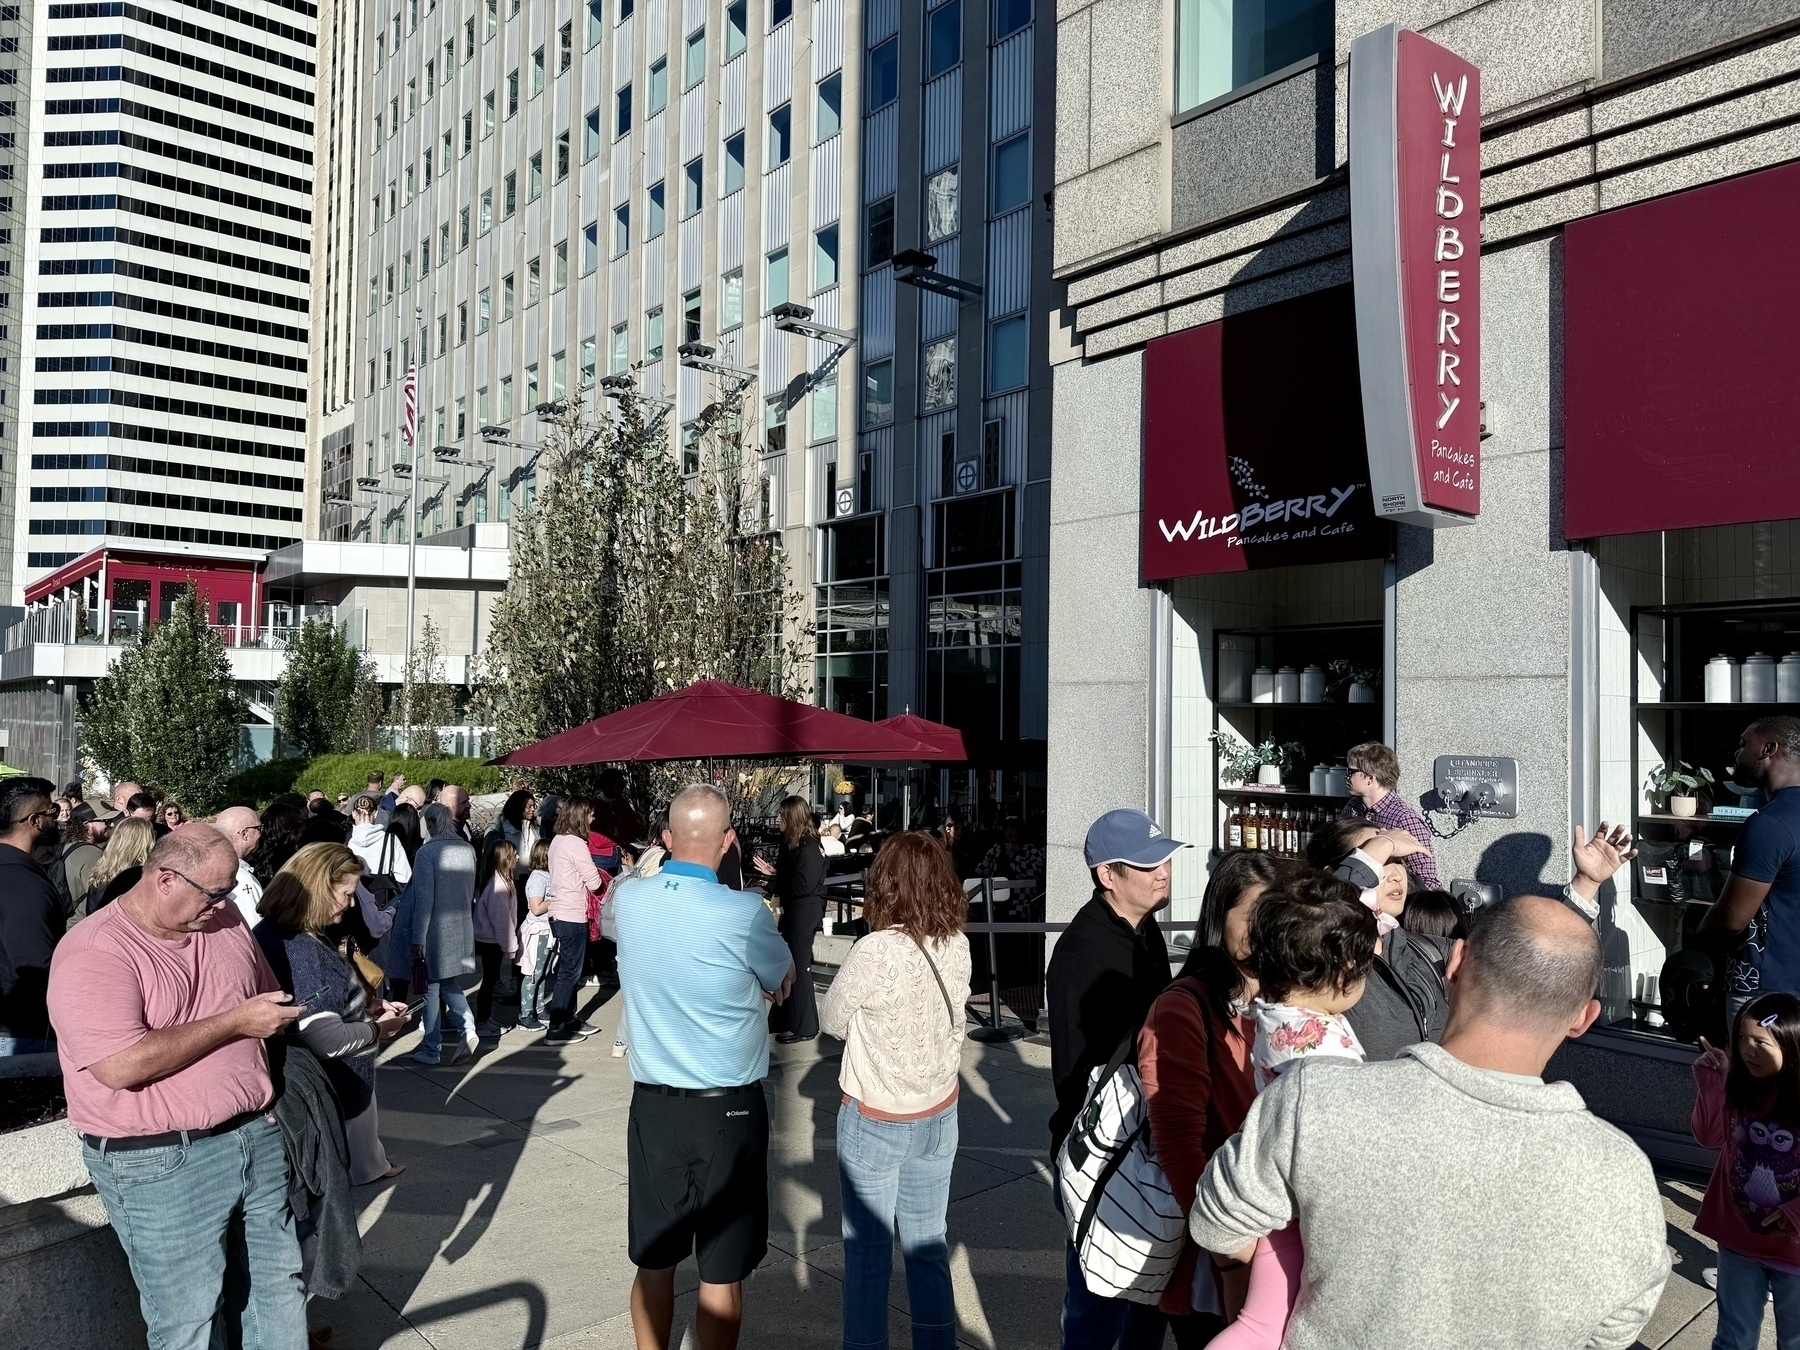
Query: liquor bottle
x=1291 y=830
x=1234 y=828
x=1252 y=828
x=1278 y=823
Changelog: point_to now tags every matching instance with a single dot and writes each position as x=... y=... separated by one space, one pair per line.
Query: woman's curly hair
x=1312 y=933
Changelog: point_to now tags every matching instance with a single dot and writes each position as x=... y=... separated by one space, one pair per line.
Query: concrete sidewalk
x=508 y=1227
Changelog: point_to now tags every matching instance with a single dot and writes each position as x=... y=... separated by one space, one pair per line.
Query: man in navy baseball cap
x=1109 y=966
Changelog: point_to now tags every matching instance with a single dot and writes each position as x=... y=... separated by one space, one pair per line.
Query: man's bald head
x=1529 y=961
x=241 y=828
x=699 y=819
x=194 y=846
x=123 y=793
x=414 y=797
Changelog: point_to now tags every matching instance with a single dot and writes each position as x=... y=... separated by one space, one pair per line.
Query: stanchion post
x=994 y=1031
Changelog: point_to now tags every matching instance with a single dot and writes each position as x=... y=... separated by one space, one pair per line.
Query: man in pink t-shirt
x=161 y=1002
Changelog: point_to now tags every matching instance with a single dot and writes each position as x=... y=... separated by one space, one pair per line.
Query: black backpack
x=382 y=884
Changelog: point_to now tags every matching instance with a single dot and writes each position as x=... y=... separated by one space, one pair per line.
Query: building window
x=942 y=205
x=468 y=129
x=621 y=239
x=532 y=393
x=537 y=72
x=776 y=291
x=559 y=375
x=824 y=409
x=693 y=183
x=487 y=115
x=590 y=136
x=734 y=163
x=462 y=418
x=506 y=297
x=940 y=374
x=657 y=96
x=596 y=23
x=506 y=399
x=493 y=20
x=619 y=360
x=512 y=92
x=625 y=8
x=565 y=47
x=878 y=393
x=883 y=83
x=562 y=156
x=622 y=112
x=780 y=124
x=780 y=11
x=731 y=302
x=534 y=176
x=483 y=305
x=1221 y=44
x=878 y=245
x=462 y=323
x=944 y=39
x=560 y=278
x=653 y=227
x=825 y=259
x=736 y=23
x=775 y=425
x=1008 y=350
x=534 y=283
x=690 y=317
x=509 y=196
x=487 y=210
x=430 y=79
x=828 y=113
x=1012 y=173
x=693 y=69
x=587 y=363
x=462 y=229
x=653 y=334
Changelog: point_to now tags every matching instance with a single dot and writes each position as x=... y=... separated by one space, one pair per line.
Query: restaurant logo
x=1415 y=211
x=1202 y=526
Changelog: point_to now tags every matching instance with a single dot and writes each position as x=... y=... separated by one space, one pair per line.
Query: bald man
x=123 y=793
x=161 y=1002
x=242 y=829
x=1491 y=1200
x=698 y=962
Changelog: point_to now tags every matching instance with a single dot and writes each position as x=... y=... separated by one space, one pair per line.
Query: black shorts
x=699 y=1170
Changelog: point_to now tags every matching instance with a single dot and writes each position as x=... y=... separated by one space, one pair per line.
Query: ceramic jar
x=1756 y=679
x=1287 y=685
x=1262 y=684
x=1312 y=682
x=1721 y=680
x=1787 y=679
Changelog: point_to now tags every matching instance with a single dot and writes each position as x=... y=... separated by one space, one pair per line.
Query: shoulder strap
x=949 y=1008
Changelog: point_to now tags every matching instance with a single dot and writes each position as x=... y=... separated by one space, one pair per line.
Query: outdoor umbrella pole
x=993 y=1031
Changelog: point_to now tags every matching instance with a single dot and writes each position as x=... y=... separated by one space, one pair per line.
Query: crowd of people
x=1341 y=1090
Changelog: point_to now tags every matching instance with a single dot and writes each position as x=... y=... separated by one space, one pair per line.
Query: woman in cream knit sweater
x=897 y=1004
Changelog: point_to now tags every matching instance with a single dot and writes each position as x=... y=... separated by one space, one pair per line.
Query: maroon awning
x=1680 y=360
x=715 y=720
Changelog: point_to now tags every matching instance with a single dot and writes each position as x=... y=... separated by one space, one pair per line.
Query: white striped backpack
x=1126 y=1226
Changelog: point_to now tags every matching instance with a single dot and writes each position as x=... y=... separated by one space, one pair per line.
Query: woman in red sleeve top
x=1194 y=1056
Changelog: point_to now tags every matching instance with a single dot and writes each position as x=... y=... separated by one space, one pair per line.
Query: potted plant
x=1351 y=682
x=1266 y=763
x=1679 y=784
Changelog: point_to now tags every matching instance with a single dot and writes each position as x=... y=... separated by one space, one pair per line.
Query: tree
x=316 y=696
x=629 y=580
x=168 y=713
x=368 y=709
x=427 y=703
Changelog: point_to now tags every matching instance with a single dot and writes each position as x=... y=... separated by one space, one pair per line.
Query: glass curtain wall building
x=167 y=219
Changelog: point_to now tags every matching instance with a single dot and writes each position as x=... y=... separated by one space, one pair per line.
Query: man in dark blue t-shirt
x=1760 y=905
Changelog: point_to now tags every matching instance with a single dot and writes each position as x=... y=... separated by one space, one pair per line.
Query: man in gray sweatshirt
x=1451 y=1197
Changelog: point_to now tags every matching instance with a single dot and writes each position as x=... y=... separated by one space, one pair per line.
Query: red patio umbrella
x=931 y=742
x=715 y=720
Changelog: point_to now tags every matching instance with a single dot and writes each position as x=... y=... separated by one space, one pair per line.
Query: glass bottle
x=1252 y=828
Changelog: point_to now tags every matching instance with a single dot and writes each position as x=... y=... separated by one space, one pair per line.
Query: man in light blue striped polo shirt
x=698 y=964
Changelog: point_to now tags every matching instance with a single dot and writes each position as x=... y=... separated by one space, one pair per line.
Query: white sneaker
x=470 y=1044
x=618 y=1049
x=431 y=1057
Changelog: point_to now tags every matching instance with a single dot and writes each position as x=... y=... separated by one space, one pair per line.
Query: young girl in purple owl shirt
x=1748 y=1107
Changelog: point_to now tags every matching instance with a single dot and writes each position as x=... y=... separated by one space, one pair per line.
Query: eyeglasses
x=29 y=817
x=212 y=897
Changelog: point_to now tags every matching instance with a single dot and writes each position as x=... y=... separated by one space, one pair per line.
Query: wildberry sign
x=1415 y=228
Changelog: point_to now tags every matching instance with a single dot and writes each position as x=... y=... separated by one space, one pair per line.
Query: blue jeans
x=896 y=1172
x=1744 y=1288
x=571 y=952
x=463 y=1020
x=208 y=1234
x=536 y=985
x=1090 y=1322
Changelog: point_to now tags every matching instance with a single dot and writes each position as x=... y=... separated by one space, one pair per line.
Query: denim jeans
x=1090 y=1322
x=571 y=951
x=536 y=985
x=896 y=1172
x=207 y=1231
x=1744 y=1288
x=462 y=1019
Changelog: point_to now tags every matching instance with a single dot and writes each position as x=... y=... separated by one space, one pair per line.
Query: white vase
x=1269 y=775
x=1361 y=693
x=1683 y=806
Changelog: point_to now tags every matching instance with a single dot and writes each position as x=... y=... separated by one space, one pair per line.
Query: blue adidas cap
x=1129 y=837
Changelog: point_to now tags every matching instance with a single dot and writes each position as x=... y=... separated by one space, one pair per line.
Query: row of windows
x=70 y=107
x=155 y=19
x=93 y=332
x=174 y=374
x=186 y=440
x=49 y=559
x=137 y=529
x=193 y=220
x=103 y=234
x=163 y=276
x=114 y=9
x=160 y=501
x=201 y=159
x=187 y=61
x=192 y=314
x=145 y=112
x=129 y=398
x=391 y=118
x=163 y=468
x=131 y=173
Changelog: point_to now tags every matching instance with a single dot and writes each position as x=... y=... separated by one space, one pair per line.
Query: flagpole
x=409 y=432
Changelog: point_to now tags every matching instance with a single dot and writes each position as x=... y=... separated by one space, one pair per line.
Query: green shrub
x=332 y=774
x=261 y=783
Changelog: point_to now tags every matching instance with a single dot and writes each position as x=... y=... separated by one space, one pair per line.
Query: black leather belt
x=697 y=1092
x=138 y=1141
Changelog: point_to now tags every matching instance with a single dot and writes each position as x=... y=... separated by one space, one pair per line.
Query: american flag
x=409 y=418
